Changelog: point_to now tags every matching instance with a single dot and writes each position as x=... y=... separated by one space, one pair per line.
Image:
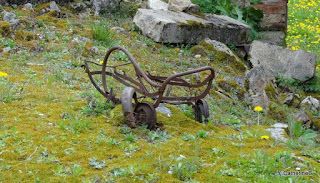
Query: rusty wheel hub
x=201 y=111
x=145 y=114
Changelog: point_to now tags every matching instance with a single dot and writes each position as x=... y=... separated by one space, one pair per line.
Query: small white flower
x=297 y=168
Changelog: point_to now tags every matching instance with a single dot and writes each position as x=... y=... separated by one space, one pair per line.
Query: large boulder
x=178 y=27
x=259 y=80
x=285 y=63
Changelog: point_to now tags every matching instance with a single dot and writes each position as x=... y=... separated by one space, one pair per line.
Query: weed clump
x=102 y=33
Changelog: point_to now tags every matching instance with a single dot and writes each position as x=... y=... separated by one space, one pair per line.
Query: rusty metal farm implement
x=143 y=113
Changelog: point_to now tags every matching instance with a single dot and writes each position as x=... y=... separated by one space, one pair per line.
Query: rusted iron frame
x=152 y=80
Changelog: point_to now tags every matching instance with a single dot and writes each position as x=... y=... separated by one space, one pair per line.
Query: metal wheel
x=201 y=111
x=126 y=101
x=145 y=114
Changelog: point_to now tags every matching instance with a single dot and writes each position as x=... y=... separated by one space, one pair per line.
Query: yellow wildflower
x=258 y=109
x=318 y=67
x=264 y=137
x=101 y=62
x=3 y=74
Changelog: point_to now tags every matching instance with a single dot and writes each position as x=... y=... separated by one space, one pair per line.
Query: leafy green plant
x=102 y=33
x=8 y=91
x=185 y=170
x=77 y=170
x=96 y=107
x=187 y=137
x=97 y=164
x=131 y=137
x=187 y=110
x=74 y=123
x=302 y=135
x=202 y=134
x=313 y=85
x=232 y=121
x=248 y=15
x=158 y=136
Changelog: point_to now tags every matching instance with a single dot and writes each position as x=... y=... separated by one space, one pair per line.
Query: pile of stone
x=181 y=22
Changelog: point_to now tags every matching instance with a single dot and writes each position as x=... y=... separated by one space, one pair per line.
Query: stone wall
x=274 y=22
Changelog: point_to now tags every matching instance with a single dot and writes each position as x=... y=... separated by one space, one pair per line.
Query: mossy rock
x=25 y=36
x=199 y=50
x=5 y=28
x=231 y=87
x=277 y=112
x=221 y=58
x=41 y=7
x=315 y=121
x=271 y=92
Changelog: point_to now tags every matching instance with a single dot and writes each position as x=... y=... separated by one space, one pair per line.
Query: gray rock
x=104 y=5
x=28 y=6
x=310 y=102
x=163 y=109
x=285 y=63
x=289 y=100
x=277 y=37
x=54 y=6
x=279 y=125
x=303 y=118
x=78 y=40
x=119 y=30
x=157 y=5
x=94 y=50
x=197 y=56
x=183 y=6
x=11 y=18
x=278 y=133
x=77 y=7
x=178 y=27
x=258 y=78
x=221 y=47
x=6 y=49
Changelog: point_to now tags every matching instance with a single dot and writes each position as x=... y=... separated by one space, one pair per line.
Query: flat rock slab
x=178 y=27
x=285 y=63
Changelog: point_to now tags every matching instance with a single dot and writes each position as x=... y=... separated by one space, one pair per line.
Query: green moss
x=276 y=112
x=4 y=28
x=198 y=14
x=231 y=87
x=199 y=50
x=25 y=35
x=271 y=92
x=315 y=121
x=41 y=6
x=223 y=58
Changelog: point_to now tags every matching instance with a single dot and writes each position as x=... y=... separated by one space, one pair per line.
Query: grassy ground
x=54 y=126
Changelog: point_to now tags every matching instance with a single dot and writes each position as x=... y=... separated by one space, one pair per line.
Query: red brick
x=271 y=9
